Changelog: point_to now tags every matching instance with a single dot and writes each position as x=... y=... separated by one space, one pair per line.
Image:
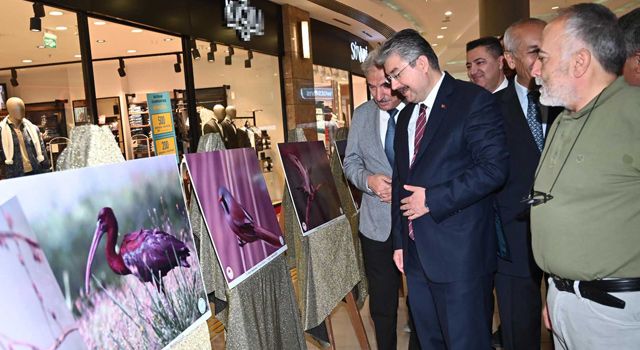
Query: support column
x=495 y=16
x=298 y=73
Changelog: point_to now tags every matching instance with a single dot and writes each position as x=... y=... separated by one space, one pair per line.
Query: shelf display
x=313 y=191
x=139 y=124
x=143 y=286
x=237 y=209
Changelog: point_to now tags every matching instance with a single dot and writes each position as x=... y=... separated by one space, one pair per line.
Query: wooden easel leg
x=356 y=321
x=332 y=341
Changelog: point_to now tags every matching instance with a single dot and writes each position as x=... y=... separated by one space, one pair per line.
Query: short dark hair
x=409 y=45
x=597 y=26
x=630 y=26
x=492 y=44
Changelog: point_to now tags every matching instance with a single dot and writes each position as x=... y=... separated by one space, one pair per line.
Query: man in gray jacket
x=368 y=165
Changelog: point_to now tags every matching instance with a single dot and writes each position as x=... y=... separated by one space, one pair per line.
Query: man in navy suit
x=450 y=158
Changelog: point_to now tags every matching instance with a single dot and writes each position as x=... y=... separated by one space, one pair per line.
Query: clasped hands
x=413 y=206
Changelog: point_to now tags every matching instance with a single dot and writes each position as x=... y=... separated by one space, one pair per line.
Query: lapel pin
x=443 y=106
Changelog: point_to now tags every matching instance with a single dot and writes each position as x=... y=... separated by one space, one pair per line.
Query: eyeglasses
x=396 y=76
x=536 y=198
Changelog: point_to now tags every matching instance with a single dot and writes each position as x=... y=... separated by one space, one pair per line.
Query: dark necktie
x=533 y=119
x=421 y=125
x=389 y=136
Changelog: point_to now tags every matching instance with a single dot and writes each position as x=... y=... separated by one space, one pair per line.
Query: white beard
x=547 y=99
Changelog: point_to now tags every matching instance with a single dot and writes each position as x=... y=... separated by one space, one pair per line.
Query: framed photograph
x=310 y=182
x=237 y=210
x=3 y=96
x=119 y=243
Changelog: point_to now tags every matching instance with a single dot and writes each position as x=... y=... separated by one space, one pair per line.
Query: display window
x=333 y=102
x=360 y=91
x=40 y=67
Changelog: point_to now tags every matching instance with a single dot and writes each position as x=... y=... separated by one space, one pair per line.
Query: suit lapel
x=517 y=118
x=401 y=142
x=376 y=127
x=436 y=115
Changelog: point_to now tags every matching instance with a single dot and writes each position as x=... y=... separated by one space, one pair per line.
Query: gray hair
x=512 y=41
x=630 y=26
x=597 y=27
x=370 y=61
x=409 y=45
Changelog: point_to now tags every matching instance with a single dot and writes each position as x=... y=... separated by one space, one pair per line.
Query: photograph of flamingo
x=34 y=301
x=119 y=243
x=311 y=184
x=237 y=210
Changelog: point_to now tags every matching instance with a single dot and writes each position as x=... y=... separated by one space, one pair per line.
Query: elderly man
x=630 y=25
x=584 y=213
x=485 y=63
x=450 y=157
x=518 y=278
x=367 y=164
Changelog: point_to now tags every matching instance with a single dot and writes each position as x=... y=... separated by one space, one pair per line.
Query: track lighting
x=38 y=10
x=247 y=63
x=231 y=51
x=121 y=71
x=176 y=66
x=35 y=24
x=195 y=53
x=250 y=54
x=227 y=60
x=14 y=78
x=212 y=48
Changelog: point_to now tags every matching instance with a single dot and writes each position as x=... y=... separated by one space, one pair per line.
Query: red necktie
x=421 y=124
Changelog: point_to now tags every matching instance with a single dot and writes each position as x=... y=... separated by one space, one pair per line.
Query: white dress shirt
x=411 y=129
x=502 y=86
x=384 y=121
x=522 y=92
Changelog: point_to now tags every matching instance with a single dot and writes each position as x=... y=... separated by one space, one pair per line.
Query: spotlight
x=35 y=24
x=14 y=78
x=231 y=51
x=227 y=60
x=176 y=66
x=250 y=54
x=212 y=48
x=247 y=63
x=195 y=53
x=38 y=10
x=121 y=71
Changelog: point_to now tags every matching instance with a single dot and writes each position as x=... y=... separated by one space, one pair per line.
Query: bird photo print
x=118 y=241
x=234 y=201
x=311 y=184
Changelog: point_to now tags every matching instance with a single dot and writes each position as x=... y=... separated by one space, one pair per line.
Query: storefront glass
x=333 y=101
x=359 y=90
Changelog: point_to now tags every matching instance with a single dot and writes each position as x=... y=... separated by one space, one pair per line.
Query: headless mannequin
x=242 y=138
x=22 y=148
x=226 y=133
x=208 y=121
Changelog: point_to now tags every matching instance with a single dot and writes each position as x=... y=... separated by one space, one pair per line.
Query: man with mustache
x=450 y=158
x=485 y=63
x=630 y=25
x=368 y=165
x=584 y=215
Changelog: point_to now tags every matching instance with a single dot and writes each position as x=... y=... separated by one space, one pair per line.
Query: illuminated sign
x=316 y=93
x=358 y=53
x=245 y=19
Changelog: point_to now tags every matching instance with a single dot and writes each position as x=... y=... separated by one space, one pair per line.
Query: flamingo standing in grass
x=147 y=254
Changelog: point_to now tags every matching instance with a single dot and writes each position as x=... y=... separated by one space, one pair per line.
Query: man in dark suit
x=518 y=277
x=450 y=156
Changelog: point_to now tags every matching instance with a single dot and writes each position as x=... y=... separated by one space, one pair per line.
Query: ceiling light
x=448 y=13
x=14 y=78
x=35 y=24
x=305 y=42
x=443 y=28
x=99 y=23
x=38 y=10
x=40 y=46
x=27 y=61
x=176 y=66
x=555 y=7
x=434 y=45
x=56 y=13
x=136 y=30
x=227 y=60
x=168 y=39
x=121 y=71
x=61 y=28
x=77 y=56
x=250 y=54
x=247 y=63
x=132 y=51
x=439 y=36
x=101 y=41
x=231 y=51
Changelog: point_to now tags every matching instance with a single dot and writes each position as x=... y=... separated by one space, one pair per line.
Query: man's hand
x=546 y=317
x=381 y=186
x=397 y=258
x=414 y=205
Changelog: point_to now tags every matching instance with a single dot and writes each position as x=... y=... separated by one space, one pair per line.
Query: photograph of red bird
x=148 y=254
x=242 y=223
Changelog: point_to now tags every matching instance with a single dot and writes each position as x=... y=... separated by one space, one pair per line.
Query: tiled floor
x=345 y=336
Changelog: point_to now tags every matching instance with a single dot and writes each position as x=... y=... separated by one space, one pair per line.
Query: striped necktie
x=421 y=125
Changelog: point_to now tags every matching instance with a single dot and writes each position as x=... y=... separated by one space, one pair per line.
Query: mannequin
x=208 y=121
x=239 y=138
x=22 y=148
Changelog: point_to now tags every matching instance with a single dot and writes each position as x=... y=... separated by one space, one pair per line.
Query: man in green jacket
x=585 y=212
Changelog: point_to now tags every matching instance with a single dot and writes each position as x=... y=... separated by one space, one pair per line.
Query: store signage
x=316 y=93
x=245 y=19
x=50 y=40
x=358 y=53
x=162 y=128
